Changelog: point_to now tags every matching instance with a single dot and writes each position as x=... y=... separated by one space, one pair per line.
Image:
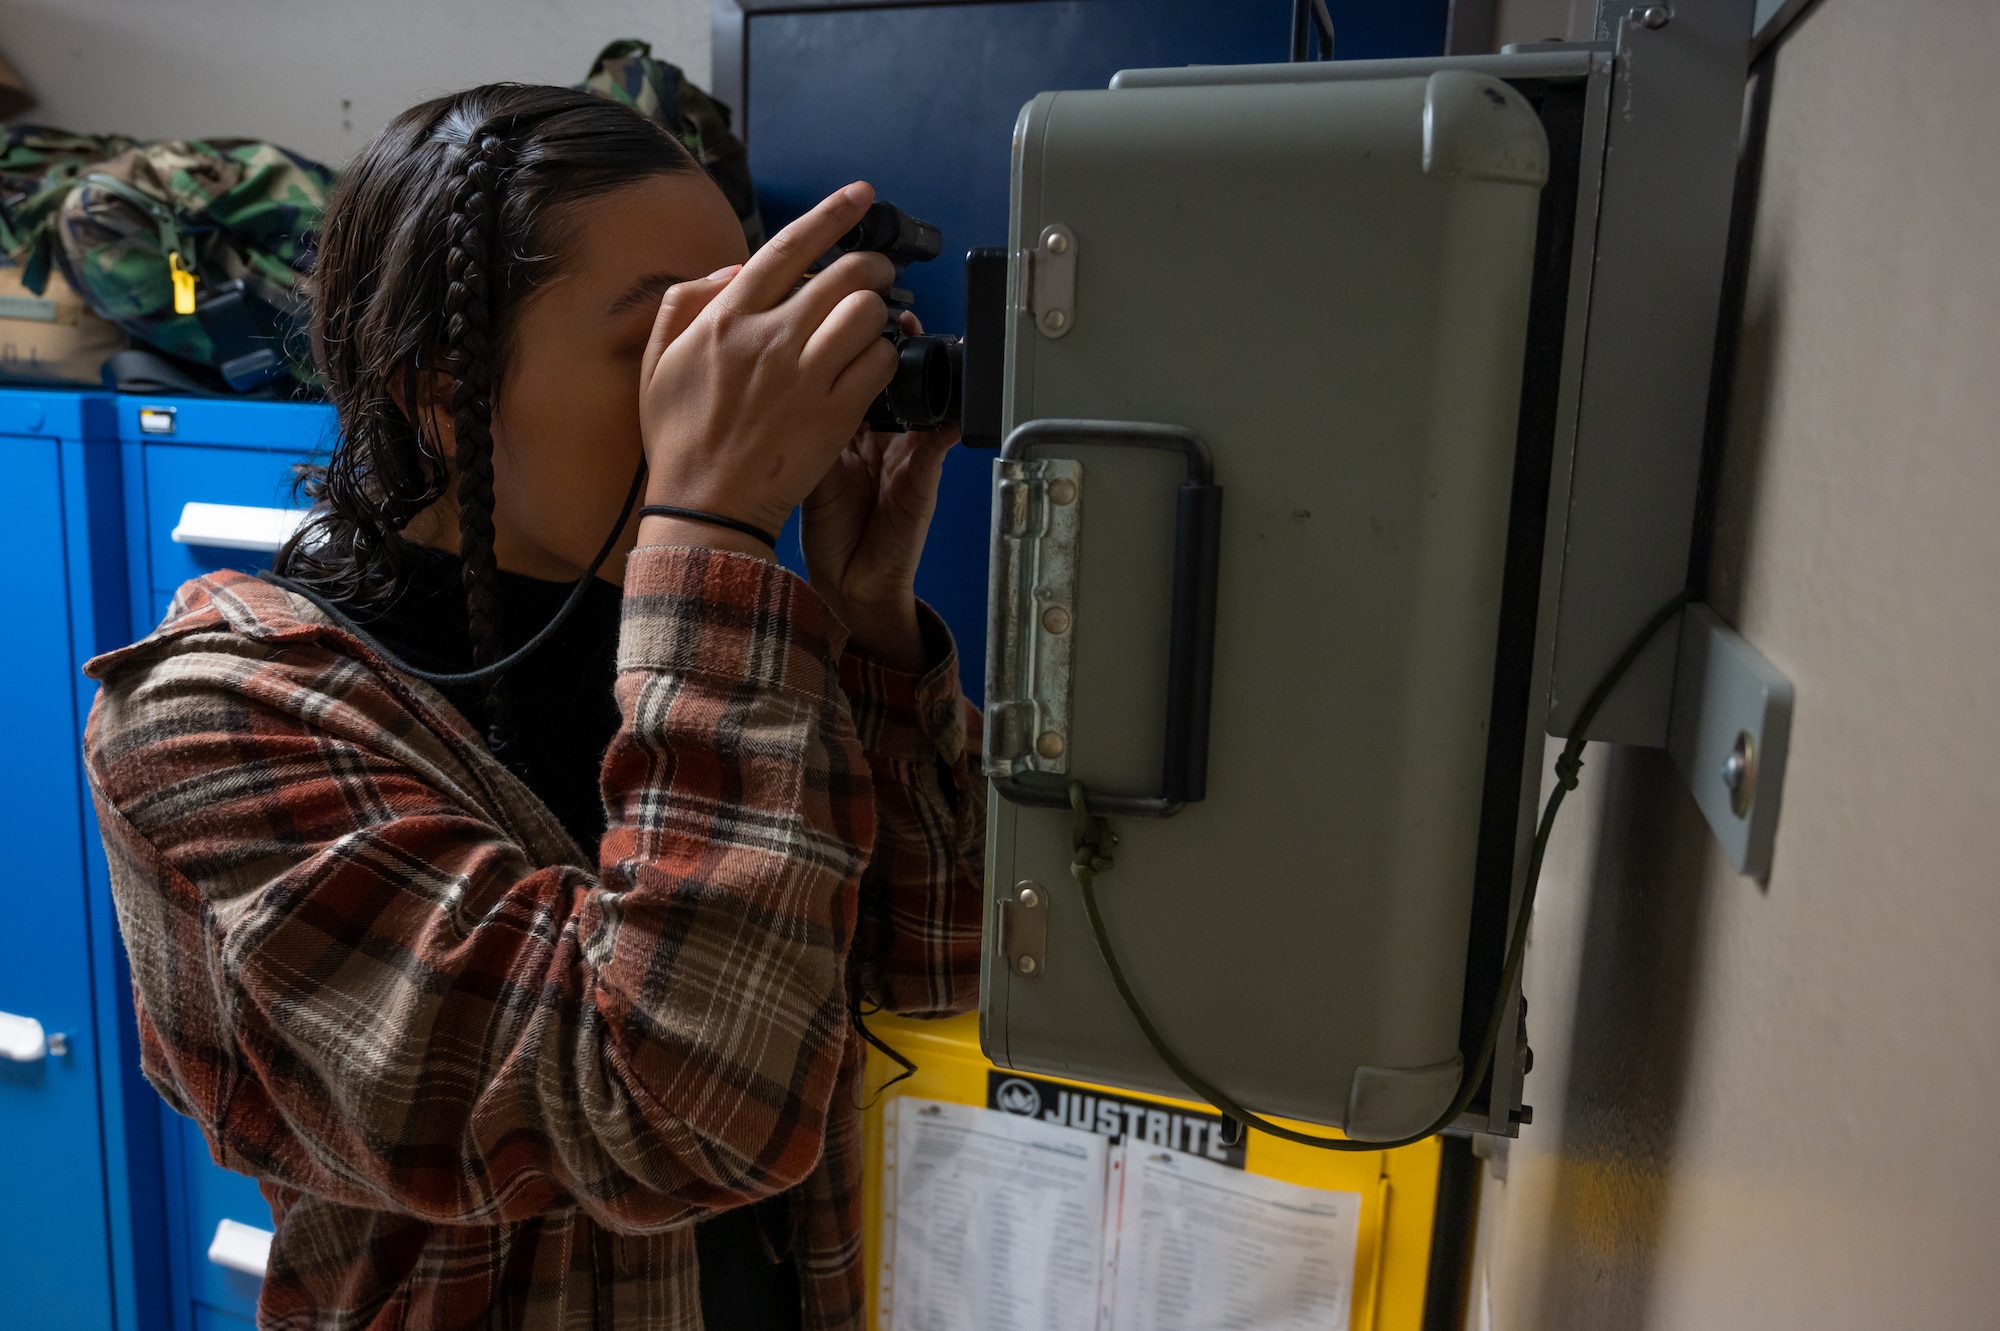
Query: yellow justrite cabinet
x=1398 y=1188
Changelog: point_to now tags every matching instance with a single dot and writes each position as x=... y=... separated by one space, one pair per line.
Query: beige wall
x=318 y=76
x=1773 y=1106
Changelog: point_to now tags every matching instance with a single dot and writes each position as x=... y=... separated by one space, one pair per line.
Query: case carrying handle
x=1191 y=628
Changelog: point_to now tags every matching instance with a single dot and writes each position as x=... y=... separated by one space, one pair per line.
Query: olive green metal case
x=1317 y=293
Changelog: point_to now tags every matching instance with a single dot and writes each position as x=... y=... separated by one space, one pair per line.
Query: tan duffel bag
x=53 y=338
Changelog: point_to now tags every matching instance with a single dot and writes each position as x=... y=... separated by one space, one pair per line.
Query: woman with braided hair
x=504 y=876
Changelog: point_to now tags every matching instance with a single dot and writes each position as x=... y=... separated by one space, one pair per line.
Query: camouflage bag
x=626 y=71
x=200 y=249
x=38 y=166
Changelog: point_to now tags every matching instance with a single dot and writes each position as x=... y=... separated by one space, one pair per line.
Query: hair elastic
x=712 y=519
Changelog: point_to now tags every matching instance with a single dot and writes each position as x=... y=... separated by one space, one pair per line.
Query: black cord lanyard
x=485 y=673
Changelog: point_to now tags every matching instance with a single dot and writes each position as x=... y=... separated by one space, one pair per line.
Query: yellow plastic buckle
x=183 y=284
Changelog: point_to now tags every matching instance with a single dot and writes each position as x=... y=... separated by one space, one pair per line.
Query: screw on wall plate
x=1055 y=321
x=1028 y=897
x=1062 y=491
x=1055 y=619
x=1025 y=965
x=1739 y=774
x=1050 y=745
x=1728 y=732
x=1655 y=17
x=58 y=1044
x=1058 y=243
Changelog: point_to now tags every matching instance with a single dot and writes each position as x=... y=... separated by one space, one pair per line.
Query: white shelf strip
x=240 y=1247
x=237 y=526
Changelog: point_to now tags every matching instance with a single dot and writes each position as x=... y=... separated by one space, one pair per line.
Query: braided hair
x=468 y=331
x=439 y=227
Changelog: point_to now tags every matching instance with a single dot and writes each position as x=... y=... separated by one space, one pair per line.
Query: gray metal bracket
x=1729 y=732
x=1621 y=529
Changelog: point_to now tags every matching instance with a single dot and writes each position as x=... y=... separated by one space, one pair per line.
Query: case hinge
x=1024 y=929
x=1048 y=274
x=1037 y=521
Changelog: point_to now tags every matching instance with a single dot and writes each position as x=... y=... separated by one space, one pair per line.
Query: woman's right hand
x=751 y=384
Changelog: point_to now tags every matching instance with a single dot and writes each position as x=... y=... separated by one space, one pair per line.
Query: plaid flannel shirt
x=485 y=1079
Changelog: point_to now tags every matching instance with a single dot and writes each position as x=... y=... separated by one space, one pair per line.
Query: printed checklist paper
x=997 y=1222
x=1190 y=1245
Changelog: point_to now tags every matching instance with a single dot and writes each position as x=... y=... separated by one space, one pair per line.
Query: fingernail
x=724 y=271
x=859 y=192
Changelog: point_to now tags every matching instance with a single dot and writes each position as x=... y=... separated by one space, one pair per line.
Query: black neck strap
x=487 y=673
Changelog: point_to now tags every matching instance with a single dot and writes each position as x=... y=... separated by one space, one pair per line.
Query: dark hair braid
x=470 y=233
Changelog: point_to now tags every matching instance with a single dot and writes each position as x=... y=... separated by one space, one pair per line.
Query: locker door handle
x=22 y=1039
x=1036 y=537
x=237 y=526
x=240 y=1247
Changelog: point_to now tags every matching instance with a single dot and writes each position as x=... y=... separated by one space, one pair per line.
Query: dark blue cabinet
x=80 y=1198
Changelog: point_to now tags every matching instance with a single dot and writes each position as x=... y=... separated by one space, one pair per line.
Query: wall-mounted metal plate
x=1732 y=723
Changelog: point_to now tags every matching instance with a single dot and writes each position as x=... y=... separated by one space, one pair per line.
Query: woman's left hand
x=863 y=530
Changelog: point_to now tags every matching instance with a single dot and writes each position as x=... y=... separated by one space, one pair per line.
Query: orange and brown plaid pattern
x=488 y=1080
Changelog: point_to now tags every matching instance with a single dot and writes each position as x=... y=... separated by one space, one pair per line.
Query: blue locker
x=80 y=1205
x=241 y=456
x=236 y=458
x=920 y=99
